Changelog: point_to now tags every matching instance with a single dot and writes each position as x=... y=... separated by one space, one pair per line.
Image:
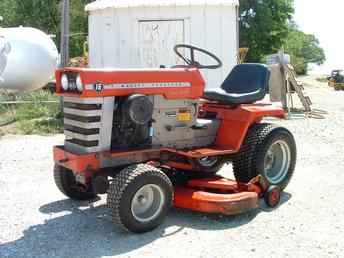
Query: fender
x=235 y=122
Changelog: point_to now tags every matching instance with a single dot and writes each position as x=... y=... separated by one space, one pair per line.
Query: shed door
x=157 y=40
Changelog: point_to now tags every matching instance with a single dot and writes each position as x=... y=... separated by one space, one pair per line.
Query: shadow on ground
x=87 y=231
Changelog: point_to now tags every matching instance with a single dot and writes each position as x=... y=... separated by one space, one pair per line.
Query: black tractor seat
x=246 y=84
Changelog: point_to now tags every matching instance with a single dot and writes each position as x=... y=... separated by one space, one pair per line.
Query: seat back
x=248 y=79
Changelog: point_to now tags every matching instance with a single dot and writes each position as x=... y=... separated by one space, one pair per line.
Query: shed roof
x=103 y=4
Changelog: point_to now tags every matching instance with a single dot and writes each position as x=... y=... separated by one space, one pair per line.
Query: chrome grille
x=88 y=124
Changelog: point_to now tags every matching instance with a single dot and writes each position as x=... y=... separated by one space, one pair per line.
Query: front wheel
x=140 y=197
x=66 y=183
x=269 y=151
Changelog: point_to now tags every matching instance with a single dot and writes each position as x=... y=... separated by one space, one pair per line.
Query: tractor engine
x=142 y=121
x=134 y=122
x=131 y=122
x=111 y=111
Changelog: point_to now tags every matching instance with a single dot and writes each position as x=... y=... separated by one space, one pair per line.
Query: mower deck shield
x=217 y=195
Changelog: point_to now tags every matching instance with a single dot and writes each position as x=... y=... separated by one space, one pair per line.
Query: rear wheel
x=140 y=197
x=269 y=151
x=66 y=183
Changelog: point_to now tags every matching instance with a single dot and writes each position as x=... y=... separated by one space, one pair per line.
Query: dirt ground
x=36 y=220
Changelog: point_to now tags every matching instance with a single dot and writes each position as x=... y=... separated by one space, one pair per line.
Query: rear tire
x=140 y=198
x=269 y=151
x=66 y=183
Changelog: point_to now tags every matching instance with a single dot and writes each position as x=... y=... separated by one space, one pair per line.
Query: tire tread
x=245 y=162
x=122 y=181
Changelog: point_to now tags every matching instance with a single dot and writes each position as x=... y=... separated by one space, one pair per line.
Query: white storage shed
x=142 y=33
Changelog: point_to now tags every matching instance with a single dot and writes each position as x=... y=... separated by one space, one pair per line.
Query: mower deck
x=219 y=195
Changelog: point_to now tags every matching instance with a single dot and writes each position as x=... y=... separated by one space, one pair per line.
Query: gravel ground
x=38 y=221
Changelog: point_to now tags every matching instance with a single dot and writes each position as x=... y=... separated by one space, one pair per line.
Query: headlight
x=64 y=82
x=79 y=85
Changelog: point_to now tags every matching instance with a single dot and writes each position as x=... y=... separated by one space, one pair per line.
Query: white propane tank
x=28 y=59
x=4 y=50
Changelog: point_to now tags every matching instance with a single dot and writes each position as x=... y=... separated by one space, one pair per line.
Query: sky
x=324 y=19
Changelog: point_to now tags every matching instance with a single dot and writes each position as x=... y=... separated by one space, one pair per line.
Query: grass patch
x=40 y=126
x=36 y=113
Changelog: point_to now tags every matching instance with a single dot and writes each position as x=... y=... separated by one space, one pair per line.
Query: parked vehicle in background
x=336 y=80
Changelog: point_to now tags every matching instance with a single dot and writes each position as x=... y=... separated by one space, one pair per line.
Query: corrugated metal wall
x=116 y=36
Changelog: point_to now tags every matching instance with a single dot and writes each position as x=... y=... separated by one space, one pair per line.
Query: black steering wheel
x=192 y=62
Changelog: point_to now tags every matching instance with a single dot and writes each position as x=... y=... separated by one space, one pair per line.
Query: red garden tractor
x=155 y=138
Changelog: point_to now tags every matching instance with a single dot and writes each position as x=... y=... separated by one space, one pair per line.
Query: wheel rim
x=147 y=203
x=208 y=161
x=277 y=162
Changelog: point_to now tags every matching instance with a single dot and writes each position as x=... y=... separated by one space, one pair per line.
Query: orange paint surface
x=135 y=76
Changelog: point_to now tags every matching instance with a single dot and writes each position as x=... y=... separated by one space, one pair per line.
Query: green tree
x=78 y=27
x=264 y=26
x=40 y=14
x=304 y=49
x=7 y=12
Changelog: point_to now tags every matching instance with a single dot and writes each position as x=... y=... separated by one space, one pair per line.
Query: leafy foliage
x=304 y=49
x=264 y=26
x=7 y=12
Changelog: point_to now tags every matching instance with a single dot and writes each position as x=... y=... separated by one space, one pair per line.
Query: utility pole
x=64 y=44
x=65 y=28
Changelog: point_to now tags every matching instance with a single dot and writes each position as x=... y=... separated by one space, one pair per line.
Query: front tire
x=66 y=183
x=140 y=197
x=269 y=151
